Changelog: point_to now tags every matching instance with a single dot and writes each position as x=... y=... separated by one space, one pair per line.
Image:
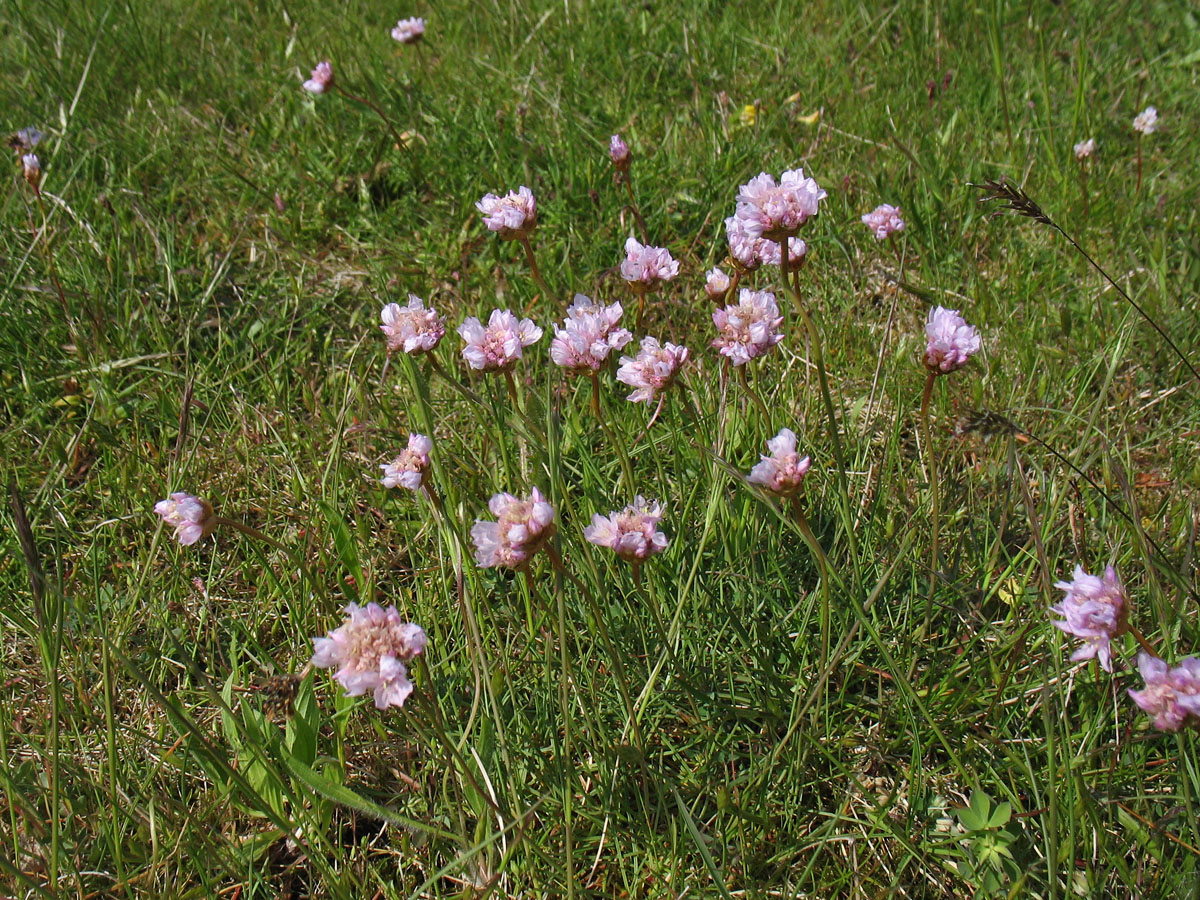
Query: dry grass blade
x=1005 y=191
x=33 y=561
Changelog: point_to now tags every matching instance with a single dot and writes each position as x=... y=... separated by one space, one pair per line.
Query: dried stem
x=533 y=266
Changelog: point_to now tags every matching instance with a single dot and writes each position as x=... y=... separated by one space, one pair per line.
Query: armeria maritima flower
x=512 y=216
x=783 y=471
x=768 y=252
x=716 y=284
x=1146 y=122
x=749 y=328
x=1084 y=149
x=191 y=517
x=632 y=533
x=653 y=370
x=950 y=341
x=1172 y=696
x=589 y=334
x=618 y=152
x=647 y=268
x=773 y=210
x=370 y=650
x=32 y=168
x=521 y=529
x=884 y=221
x=750 y=250
x=26 y=139
x=412 y=328
x=411 y=468
x=409 y=31
x=322 y=79
x=499 y=345
x=1095 y=610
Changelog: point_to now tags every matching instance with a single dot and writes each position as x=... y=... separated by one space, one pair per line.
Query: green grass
x=144 y=754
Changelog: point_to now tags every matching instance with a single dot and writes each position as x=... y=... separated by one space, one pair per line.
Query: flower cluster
x=653 y=370
x=1172 y=696
x=521 y=529
x=191 y=517
x=647 y=268
x=409 y=31
x=412 y=328
x=1146 y=122
x=749 y=251
x=773 y=210
x=370 y=650
x=783 y=471
x=500 y=344
x=951 y=341
x=411 y=468
x=1084 y=149
x=588 y=336
x=618 y=152
x=512 y=216
x=716 y=284
x=1095 y=610
x=749 y=328
x=632 y=533
x=321 y=80
x=884 y=221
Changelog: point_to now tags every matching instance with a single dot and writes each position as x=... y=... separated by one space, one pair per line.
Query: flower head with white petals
x=783 y=471
x=521 y=529
x=321 y=80
x=1146 y=122
x=409 y=31
x=646 y=268
x=1094 y=609
x=588 y=336
x=774 y=210
x=1171 y=695
x=950 y=341
x=413 y=328
x=499 y=345
x=884 y=221
x=512 y=216
x=411 y=468
x=1084 y=149
x=653 y=370
x=191 y=517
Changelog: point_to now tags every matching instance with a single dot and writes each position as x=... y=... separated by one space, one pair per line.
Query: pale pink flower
x=512 y=216
x=1172 y=696
x=632 y=533
x=653 y=370
x=774 y=210
x=522 y=527
x=411 y=468
x=1094 y=609
x=500 y=344
x=647 y=268
x=191 y=517
x=749 y=250
x=950 y=341
x=717 y=284
x=1084 y=149
x=618 y=152
x=409 y=31
x=412 y=328
x=783 y=471
x=749 y=328
x=589 y=334
x=370 y=650
x=32 y=169
x=322 y=79
x=768 y=253
x=1146 y=121
x=884 y=221
x=27 y=139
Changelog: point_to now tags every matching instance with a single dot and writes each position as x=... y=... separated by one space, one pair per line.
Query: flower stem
x=1138 y=189
x=595 y=395
x=1142 y=642
x=379 y=112
x=250 y=532
x=934 y=497
x=752 y=394
x=533 y=266
x=822 y=567
x=633 y=208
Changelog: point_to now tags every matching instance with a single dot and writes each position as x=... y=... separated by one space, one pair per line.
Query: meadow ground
x=794 y=700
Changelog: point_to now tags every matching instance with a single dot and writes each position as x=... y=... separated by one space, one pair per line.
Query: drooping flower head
x=716 y=284
x=411 y=468
x=647 y=268
x=773 y=210
x=413 y=328
x=653 y=370
x=749 y=328
x=409 y=31
x=589 y=334
x=1084 y=149
x=783 y=471
x=884 y=221
x=191 y=517
x=32 y=169
x=512 y=216
x=1146 y=122
x=370 y=650
x=322 y=79
x=521 y=529
x=950 y=341
x=1172 y=696
x=618 y=152
x=500 y=344
x=632 y=533
x=1095 y=610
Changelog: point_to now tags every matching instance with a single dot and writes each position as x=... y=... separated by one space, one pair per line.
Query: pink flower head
x=409 y=31
x=191 y=517
x=884 y=221
x=1094 y=609
x=411 y=468
x=1172 y=696
x=370 y=650
x=951 y=341
x=589 y=334
x=783 y=471
x=618 y=152
x=498 y=346
x=26 y=139
x=773 y=210
x=32 y=169
x=322 y=79
x=1084 y=149
x=653 y=370
x=748 y=329
x=521 y=529
x=1146 y=122
x=717 y=284
x=646 y=268
x=768 y=253
x=632 y=533
x=412 y=328
x=749 y=250
x=512 y=216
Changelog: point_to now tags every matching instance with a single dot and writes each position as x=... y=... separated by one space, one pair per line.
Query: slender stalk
x=595 y=395
x=533 y=266
x=1138 y=189
x=379 y=112
x=564 y=699
x=633 y=208
x=1142 y=642
x=1083 y=188
x=753 y=394
x=934 y=497
x=822 y=566
x=249 y=532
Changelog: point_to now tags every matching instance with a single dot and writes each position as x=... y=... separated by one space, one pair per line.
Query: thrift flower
x=32 y=169
x=521 y=529
x=1172 y=696
x=1094 y=609
x=370 y=650
x=322 y=79
x=412 y=328
x=774 y=210
x=783 y=471
x=884 y=221
x=768 y=253
x=951 y=341
x=411 y=468
x=588 y=336
x=512 y=216
x=191 y=517
x=653 y=370
x=632 y=533
x=748 y=329
x=717 y=285
x=646 y=268
x=618 y=152
x=1084 y=149
x=409 y=31
x=749 y=250
x=499 y=345
x=1146 y=121
x=27 y=139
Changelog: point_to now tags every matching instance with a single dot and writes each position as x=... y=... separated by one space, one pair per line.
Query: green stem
x=753 y=394
x=934 y=498
x=250 y=532
x=822 y=566
x=379 y=112
x=533 y=266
